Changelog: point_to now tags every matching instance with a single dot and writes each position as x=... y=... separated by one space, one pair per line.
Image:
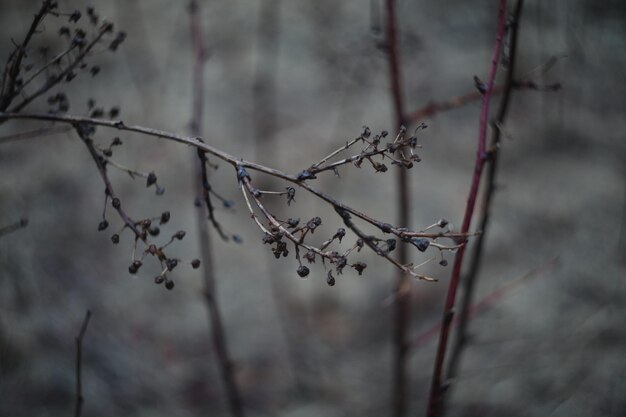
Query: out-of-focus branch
x=79 y=366
x=13 y=227
x=437 y=389
x=203 y=186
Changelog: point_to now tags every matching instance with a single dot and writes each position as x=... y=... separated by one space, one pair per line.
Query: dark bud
x=165 y=217
x=159 y=279
x=359 y=267
x=228 y=203
x=310 y=256
x=443 y=262
x=291 y=193
x=116 y=203
x=64 y=31
x=97 y=113
x=306 y=175
x=402 y=129
x=70 y=76
x=115 y=238
x=442 y=223
x=107 y=152
x=341 y=232
x=330 y=279
x=160 y=190
x=242 y=173
x=293 y=222
x=103 y=225
x=179 y=235
x=359 y=244
x=421 y=244
x=116 y=141
x=303 y=271
x=384 y=134
x=197 y=202
x=380 y=167
x=171 y=264
x=134 y=267
x=237 y=239
x=391 y=245
x=366 y=132
x=314 y=223
x=119 y=38
x=386 y=227
x=169 y=285
x=91 y=103
x=114 y=112
x=152 y=179
x=94 y=70
x=195 y=264
x=480 y=86
x=75 y=16
x=152 y=249
x=154 y=231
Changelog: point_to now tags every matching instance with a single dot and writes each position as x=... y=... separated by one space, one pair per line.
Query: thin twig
x=436 y=389
x=36 y=133
x=13 y=227
x=202 y=184
x=79 y=365
x=494 y=147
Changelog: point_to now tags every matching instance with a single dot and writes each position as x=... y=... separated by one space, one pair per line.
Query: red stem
x=436 y=390
x=401 y=314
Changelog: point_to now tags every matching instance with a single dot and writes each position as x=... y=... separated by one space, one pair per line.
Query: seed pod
x=303 y=271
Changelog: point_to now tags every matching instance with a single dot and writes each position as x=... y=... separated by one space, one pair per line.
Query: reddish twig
x=436 y=389
x=489 y=189
x=487 y=302
x=202 y=185
x=401 y=314
x=436 y=107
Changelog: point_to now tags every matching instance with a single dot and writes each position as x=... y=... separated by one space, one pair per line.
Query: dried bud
x=115 y=239
x=443 y=262
x=171 y=264
x=159 y=279
x=134 y=267
x=330 y=280
x=421 y=244
x=107 y=153
x=94 y=70
x=195 y=264
x=152 y=249
x=75 y=16
x=391 y=245
x=165 y=217
x=293 y=222
x=114 y=112
x=116 y=203
x=116 y=141
x=442 y=223
x=179 y=235
x=386 y=228
x=154 y=231
x=366 y=132
x=291 y=193
x=103 y=225
x=341 y=232
x=169 y=285
x=303 y=271
x=359 y=267
x=64 y=31
x=310 y=256
x=152 y=179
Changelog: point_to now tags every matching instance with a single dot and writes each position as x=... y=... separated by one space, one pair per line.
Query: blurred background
x=286 y=83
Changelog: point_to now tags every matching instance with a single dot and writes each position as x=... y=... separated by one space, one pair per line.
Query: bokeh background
x=286 y=83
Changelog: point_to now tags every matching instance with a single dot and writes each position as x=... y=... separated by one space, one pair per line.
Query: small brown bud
x=195 y=263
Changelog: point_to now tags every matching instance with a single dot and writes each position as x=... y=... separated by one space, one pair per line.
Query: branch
x=13 y=227
x=436 y=389
x=79 y=359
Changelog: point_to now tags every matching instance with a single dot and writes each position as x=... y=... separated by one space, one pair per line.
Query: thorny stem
x=202 y=185
x=79 y=360
x=436 y=388
x=494 y=147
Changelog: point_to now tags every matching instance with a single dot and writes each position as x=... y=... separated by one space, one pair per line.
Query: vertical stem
x=494 y=153
x=78 y=408
x=401 y=315
x=217 y=326
x=436 y=388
